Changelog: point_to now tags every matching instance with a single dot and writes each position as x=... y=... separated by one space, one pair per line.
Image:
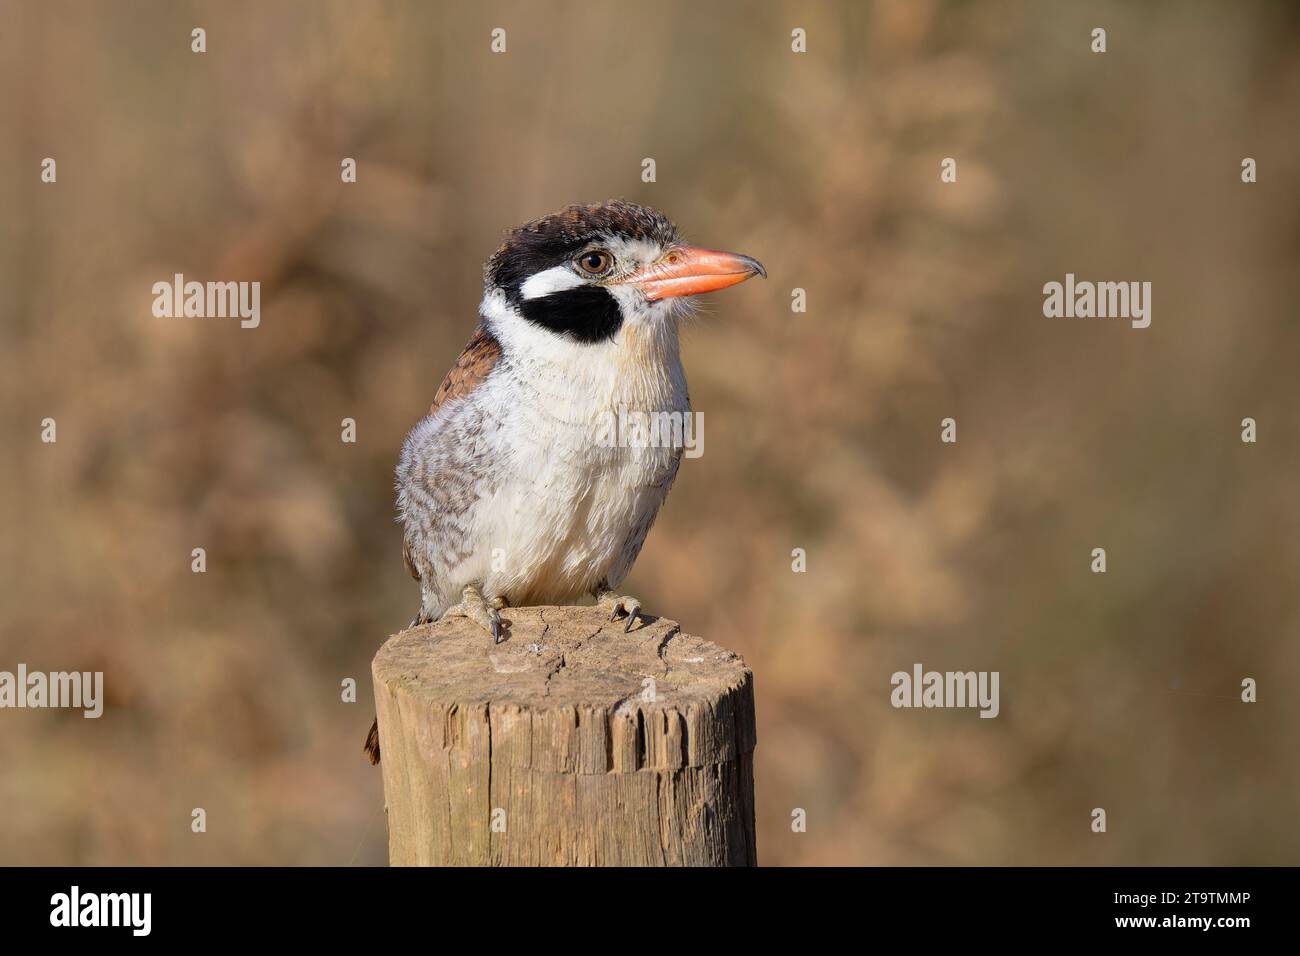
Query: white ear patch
x=555 y=279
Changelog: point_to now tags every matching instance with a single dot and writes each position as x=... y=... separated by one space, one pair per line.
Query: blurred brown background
x=822 y=429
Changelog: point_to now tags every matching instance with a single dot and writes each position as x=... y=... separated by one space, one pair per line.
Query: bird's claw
x=479 y=610
x=620 y=604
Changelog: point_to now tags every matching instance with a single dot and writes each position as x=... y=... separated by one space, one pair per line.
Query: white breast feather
x=557 y=507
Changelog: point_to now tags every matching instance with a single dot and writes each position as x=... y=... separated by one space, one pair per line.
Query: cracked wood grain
x=594 y=747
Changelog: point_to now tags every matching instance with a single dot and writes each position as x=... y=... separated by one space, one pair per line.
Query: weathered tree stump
x=571 y=743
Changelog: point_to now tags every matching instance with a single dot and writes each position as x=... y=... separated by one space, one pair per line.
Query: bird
x=509 y=491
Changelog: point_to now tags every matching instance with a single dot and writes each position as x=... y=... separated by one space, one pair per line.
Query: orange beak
x=689 y=271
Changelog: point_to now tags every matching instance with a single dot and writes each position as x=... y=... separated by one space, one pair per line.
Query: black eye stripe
x=587 y=313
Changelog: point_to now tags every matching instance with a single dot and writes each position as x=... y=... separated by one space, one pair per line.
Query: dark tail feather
x=372 y=743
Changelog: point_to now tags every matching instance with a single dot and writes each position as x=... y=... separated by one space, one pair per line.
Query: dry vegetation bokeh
x=821 y=429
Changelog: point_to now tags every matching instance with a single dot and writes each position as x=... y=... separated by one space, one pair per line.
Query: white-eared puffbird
x=510 y=490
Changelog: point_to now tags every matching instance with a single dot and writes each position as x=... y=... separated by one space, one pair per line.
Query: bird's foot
x=479 y=610
x=618 y=604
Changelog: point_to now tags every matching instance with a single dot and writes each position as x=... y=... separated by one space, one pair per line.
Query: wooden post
x=570 y=743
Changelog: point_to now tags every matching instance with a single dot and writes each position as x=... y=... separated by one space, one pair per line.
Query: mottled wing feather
x=480 y=355
x=406 y=559
x=476 y=361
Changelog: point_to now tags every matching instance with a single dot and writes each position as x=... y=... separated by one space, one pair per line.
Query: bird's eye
x=595 y=263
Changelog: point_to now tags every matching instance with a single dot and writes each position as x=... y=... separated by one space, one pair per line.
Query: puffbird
x=509 y=490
